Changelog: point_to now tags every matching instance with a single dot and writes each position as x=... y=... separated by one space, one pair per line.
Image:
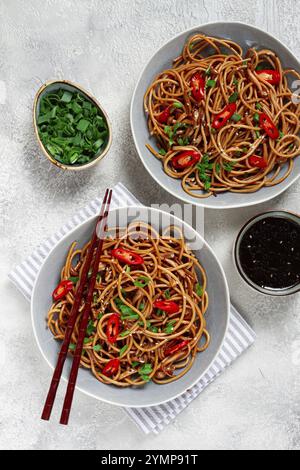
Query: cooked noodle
x=227 y=150
x=170 y=271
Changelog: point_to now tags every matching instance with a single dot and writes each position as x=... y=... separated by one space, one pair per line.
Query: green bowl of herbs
x=72 y=128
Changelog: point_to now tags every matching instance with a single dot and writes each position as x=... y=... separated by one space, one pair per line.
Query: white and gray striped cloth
x=239 y=338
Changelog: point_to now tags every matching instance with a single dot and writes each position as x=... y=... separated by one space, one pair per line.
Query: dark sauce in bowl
x=269 y=253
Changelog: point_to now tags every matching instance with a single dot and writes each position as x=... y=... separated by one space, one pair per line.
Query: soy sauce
x=270 y=253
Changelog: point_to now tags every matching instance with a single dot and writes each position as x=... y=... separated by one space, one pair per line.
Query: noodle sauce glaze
x=269 y=253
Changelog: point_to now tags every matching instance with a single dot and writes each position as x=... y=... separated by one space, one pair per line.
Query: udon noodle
x=158 y=344
x=238 y=155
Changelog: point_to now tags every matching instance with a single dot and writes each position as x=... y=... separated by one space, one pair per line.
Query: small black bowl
x=289 y=216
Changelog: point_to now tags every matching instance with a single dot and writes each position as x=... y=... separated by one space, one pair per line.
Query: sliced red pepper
x=268 y=126
x=257 y=162
x=111 y=368
x=221 y=119
x=127 y=257
x=62 y=289
x=271 y=76
x=113 y=328
x=163 y=117
x=185 y=159
x=198 y=86
x=175 y=347
x=167 y=306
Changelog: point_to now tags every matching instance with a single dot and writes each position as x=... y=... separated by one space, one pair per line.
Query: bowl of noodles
x=215 y=116
x=159 y=314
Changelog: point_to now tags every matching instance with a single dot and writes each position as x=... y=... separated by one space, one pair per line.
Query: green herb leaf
x=135 y=363
x=97 y=347
x=258 y=106
x=74 y=279
x=72 y=347
x=162 y=152
x=86 y=340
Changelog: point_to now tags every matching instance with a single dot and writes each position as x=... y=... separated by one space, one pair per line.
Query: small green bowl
x=69 y=86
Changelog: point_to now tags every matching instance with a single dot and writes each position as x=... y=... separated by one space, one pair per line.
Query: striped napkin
x=152 y=419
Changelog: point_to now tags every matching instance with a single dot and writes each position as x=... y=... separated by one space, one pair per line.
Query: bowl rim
x=287 y=215
x=227 y=313
x=99 y=106
x=205 y=202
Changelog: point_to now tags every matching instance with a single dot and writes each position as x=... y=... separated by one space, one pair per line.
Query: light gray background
x=103 y=45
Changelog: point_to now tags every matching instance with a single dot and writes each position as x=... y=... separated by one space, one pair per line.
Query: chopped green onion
x=146 y=369
x=167 y=294
x=258 y=106
x=233 y=98
x=74 y=279
x=142 y=282
x=199 y=290
x=72 y=347
x=97 y=347
x=162 y=152
x=256 y=117
x=124 y=333
x=170 y=327
x=71 y=127
x=177 y=104
x=123 y=350
x=236 y=117
x=90 y=328
x=211 y=83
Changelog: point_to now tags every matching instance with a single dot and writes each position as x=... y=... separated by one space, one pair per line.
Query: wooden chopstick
x=73 y=316
x=84 y=320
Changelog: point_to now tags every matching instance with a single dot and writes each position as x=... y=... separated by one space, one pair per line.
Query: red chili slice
x=62 y=289
x=111 y=368
x=221 y=119
x=257 y=162
x=271 y=76
x=127 y=257
x=268 y=126
x=198 y=86
x=113 y=328
x=167 y=306
x=163 y=117
x=174 y=348
x=185 y=159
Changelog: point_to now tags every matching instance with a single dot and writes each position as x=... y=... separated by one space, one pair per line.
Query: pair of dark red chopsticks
x=92 y=262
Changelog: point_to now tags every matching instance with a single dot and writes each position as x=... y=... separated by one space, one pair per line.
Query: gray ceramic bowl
x=217 y=315
x=247 y=36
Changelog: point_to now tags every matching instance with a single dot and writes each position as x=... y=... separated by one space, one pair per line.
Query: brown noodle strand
x=222 y=60
x=169 y=267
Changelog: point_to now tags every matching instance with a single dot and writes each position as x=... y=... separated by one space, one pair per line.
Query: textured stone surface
x=103 y=45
